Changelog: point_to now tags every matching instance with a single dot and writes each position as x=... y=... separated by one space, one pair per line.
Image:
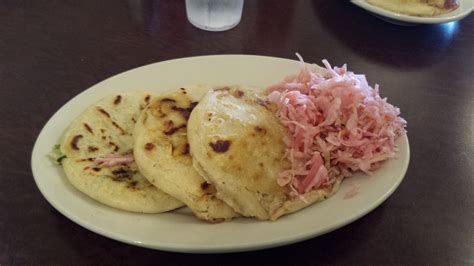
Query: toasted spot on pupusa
x=236 y=143
x=102 y=129
x=162 y=153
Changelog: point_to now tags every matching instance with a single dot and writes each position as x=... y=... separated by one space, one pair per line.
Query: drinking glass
x=214 y=15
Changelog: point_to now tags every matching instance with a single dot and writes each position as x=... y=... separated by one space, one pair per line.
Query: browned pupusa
x=236 y=143
x=163 y=155
x=102 y=129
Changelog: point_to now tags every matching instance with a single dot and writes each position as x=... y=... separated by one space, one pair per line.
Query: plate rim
x=196 y=249
x=414 y=19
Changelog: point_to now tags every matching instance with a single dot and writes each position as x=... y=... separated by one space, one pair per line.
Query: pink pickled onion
x=114 y=159
x=337 y=124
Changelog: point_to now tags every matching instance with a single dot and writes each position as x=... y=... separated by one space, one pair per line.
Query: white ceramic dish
x=465 y=8
x=179 y=230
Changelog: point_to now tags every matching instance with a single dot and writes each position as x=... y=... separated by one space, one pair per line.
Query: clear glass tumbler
x=214 y=15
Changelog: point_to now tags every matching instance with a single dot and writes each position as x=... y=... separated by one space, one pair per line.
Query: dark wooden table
x=52 y=50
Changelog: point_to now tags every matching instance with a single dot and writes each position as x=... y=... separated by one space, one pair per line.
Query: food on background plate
x=162 y=153
x=96 y=154
x=269 y=155
x=422 y=8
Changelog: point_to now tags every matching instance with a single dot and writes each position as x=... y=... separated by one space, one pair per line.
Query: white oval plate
x=179 y=230
x=465 y=8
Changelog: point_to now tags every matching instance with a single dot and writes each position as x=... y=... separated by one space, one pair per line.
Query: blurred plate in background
x=465 y=8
